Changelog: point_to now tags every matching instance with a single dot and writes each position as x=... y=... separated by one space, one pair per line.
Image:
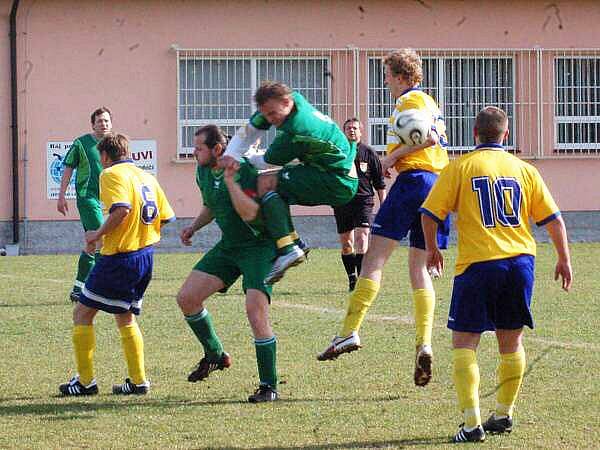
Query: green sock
x=278 y=221
x=86 y=262
x=266 y=357
x=202 y=326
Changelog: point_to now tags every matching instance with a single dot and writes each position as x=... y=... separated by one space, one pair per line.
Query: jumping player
x=324 y=176
x=418 y=168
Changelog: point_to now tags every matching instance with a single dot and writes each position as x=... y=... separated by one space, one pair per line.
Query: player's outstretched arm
x=244 y=138
x=558 y=233
x=435 y=259
x=204 y=218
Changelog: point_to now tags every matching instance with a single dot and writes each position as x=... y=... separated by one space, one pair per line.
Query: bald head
x=491 y=125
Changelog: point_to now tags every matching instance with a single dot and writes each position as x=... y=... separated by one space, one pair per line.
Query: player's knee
x=83 y=315
x=188 y=302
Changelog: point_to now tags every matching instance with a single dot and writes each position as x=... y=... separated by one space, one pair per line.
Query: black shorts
x=356 y=214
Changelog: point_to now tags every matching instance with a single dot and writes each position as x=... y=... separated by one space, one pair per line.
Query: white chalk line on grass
x=407 y=320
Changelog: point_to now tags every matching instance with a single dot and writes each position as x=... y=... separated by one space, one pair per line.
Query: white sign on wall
x=143 y=153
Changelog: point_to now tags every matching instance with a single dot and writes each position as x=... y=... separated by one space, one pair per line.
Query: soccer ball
x=413 y=126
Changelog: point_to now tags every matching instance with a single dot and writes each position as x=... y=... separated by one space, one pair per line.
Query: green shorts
x=90 y=213
x=253 y=263
x=307 y=185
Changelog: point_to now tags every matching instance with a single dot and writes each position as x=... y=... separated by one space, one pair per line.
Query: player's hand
x=435 y=263
x=231 y=169
x=386 y=165
x=62 y=206
x=564 y=271
x=227 y=161
x=186 y=236
x=91 y=237
x=432 y=139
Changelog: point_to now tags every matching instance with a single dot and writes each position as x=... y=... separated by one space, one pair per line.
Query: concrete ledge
x=48 y=237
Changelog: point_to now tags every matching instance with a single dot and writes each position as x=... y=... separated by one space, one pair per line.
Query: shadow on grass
x=77 y=405
x=70 y=407
x=395 y=443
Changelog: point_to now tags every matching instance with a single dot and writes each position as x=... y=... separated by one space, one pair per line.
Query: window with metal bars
x=577 y=104
x=460 y=85
x=219 y=90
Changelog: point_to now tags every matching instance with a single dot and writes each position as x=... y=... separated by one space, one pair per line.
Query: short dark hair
x=116 y=146
x=213 y=135
x=271 y=90
x=97 y=112
x=491 y=124
x=350 y=120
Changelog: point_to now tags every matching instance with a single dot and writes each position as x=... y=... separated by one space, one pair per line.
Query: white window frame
x=454 y=150
x=184 y=152
x=572 y=147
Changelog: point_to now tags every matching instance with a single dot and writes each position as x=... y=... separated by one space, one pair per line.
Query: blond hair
x=406 y=63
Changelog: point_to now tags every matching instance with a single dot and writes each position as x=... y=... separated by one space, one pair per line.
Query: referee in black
x=354 y=219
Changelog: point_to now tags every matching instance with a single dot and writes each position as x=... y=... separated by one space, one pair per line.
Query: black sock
x=349 y=264
x=358 y=262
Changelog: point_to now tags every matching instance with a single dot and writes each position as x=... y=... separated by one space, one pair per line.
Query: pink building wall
x=77 y=55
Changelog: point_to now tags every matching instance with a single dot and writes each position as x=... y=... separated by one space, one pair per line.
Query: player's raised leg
x=278 y=222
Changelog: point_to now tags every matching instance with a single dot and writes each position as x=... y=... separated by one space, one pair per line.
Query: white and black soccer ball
x=413 y=126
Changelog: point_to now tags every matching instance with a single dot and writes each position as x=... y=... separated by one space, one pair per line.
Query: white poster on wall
x=143 y=153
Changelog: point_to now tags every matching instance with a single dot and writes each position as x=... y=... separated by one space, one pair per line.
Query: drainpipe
x=14 y=125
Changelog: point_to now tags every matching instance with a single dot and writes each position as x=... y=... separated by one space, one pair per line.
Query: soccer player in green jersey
x=244 y=249
x=325 y=174
x=83 y=156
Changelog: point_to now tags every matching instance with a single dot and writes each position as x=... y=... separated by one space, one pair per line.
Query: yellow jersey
x=434 y=158
x=493 y=194
x=124 y=184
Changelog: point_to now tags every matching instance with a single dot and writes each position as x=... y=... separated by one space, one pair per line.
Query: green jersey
x=215 y=196
x=84 y=156
x=310 y=136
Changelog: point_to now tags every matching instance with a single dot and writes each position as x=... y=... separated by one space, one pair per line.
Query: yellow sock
x=84 y=344
x=510 y=376
x=361 y=298
x=466 y=380
x=133 y=347
x=424 y=305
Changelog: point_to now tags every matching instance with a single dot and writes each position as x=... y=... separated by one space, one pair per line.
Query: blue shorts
x=117 y=283
x=399 y=214
x=492 y=295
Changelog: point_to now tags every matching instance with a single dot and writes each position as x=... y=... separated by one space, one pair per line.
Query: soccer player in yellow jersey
x=137 y=209
x=418 y=167
x=494 y=194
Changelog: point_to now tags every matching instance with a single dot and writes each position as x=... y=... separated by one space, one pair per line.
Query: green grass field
x=363 y=400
